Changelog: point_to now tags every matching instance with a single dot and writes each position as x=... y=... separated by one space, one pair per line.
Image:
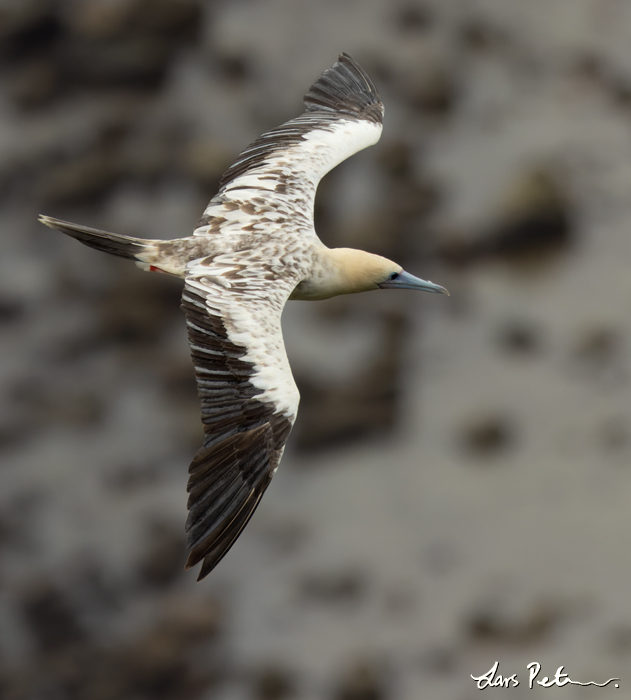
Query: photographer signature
x=493 y=679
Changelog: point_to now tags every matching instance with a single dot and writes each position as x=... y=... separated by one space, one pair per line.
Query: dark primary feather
x=243 y=440
x=345 y=88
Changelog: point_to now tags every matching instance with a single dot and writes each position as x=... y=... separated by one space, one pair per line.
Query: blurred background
x=456 y=491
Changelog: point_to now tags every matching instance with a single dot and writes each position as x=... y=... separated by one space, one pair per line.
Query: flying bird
x=254 y=248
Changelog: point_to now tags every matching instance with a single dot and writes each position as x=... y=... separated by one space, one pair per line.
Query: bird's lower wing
x=249 y=403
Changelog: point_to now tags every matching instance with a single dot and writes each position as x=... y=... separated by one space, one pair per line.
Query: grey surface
x=475 y=506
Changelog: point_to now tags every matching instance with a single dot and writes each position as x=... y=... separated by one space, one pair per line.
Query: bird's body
x=254 y=248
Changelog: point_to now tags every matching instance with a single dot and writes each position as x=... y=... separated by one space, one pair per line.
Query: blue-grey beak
x=404 y=280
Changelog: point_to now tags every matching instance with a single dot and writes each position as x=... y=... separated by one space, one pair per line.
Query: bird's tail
x=114 y=243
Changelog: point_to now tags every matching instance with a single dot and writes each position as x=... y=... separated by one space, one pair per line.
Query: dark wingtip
x=345 y=88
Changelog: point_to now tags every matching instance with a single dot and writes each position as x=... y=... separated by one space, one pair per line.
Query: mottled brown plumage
x=254 y=248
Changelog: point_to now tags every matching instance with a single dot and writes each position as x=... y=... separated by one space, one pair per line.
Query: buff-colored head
x=348 y=271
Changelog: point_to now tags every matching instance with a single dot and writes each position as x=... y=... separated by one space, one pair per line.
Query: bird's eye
x=393 y=276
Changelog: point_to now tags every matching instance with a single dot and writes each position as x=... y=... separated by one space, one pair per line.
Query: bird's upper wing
x=279 y=172
x=248 y=395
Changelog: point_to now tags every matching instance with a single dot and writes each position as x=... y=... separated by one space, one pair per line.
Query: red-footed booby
x=254 y=248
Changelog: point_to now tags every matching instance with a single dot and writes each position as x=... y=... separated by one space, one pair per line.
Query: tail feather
x=114 y=243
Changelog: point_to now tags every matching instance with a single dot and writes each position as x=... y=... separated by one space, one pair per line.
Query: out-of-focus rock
x=155 y=302
x=479 y=35
x=6 y=530
x=507 y=621
x=169 y=18
x=433 y=90
x=428 y=83
x=273 y=683
x=131 y=478
x=333 y=588
x=163 y=562
x=597 y=349
x=363 y=404
x=37 y=405
x=519 y=337
x=440 y=661
x=128 y=42
x=206 y=161
x=532 y=223
x=440 y=558
x=619 y=639
x=82 y=178
x=13 y=433
x=124 y=43
x=11 y=310
x=158 y=662
x=191 y=619
x=414 y=18
x=51 y=621
x=411 y=196
x=134 y=62
x=399 y=600
x=154 y=157
x=234 y=67
x=287 y=537
x=27 y=27
x=486 y=436
x=365 y=680
x=595 y=73
x=35 y=83
x=615 y=434
x=99 y=20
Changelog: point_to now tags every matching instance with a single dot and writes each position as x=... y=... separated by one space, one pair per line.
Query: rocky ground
x=457 y=488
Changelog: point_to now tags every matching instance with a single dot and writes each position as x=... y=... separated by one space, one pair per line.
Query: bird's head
x=361 y=272
x=400 y=279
